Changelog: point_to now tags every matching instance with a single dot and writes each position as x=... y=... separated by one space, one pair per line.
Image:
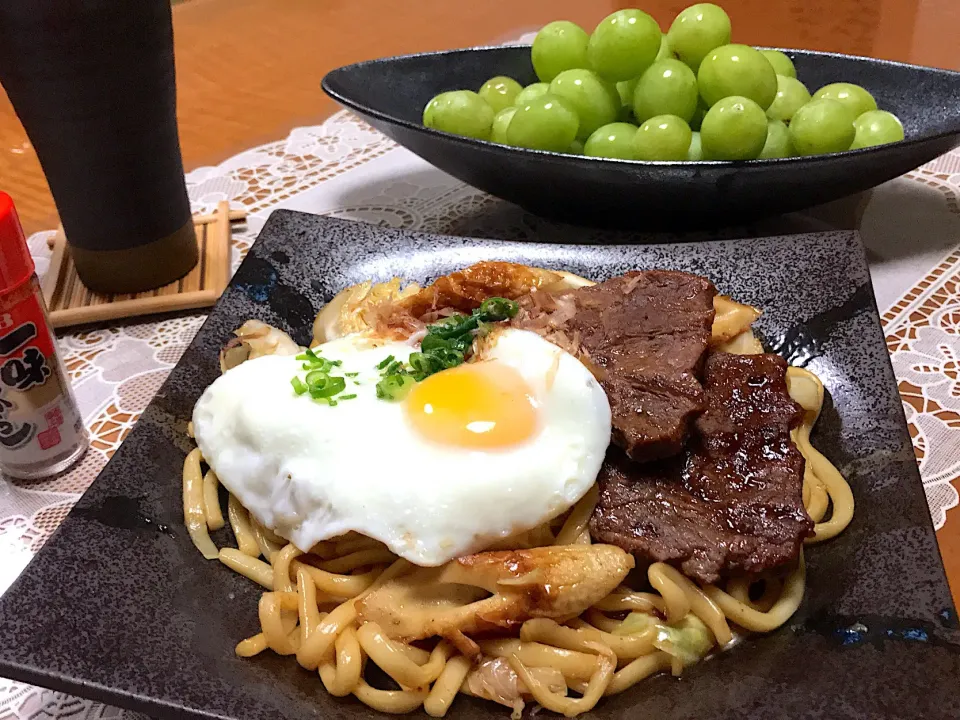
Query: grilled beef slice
x=644 y=336
x=733 y=501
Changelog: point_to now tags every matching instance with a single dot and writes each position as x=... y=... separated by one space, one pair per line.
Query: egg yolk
x=483 y=405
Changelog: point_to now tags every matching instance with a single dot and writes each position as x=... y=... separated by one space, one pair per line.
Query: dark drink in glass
x=93 y=84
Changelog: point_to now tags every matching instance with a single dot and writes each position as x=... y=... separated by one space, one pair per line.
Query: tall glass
x=93 y=84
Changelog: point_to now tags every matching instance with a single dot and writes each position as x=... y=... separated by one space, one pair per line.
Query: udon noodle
x=663 y=621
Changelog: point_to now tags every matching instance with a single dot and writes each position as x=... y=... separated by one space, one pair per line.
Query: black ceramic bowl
x=390 y=93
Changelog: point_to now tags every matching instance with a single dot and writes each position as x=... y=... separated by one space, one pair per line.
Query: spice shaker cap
x=16 y=265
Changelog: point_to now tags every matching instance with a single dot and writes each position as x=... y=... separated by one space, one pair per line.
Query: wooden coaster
x=70 y=303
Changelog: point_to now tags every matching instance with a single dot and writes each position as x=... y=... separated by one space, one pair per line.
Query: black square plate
x=121 y=608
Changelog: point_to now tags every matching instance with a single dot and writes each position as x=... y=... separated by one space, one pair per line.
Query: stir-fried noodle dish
x=512 y=483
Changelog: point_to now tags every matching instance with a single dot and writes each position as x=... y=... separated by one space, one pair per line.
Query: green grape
x=560 y=45
x=782 y=64
x=735 y=128
x=668 y=87
x=595 y=101
x=778 y=141
x=695 y=152
x=576 y=148
x=737 y=70
x=664 y=137
x=698 y=30
x=544 y=123
x=822 y=126
x=461 y=112
x=855 y=98
x=625 y=88
x=612 y=141
x=500 y=92
x=876 y=127
x=624 y=44
x=529 y=93
x=501 y=121
x=791 y=96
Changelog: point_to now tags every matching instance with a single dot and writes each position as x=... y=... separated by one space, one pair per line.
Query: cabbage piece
x=636 y=622
x=493 y=679
x=688 y=641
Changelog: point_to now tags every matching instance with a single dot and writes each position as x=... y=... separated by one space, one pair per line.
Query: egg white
x=311 y=472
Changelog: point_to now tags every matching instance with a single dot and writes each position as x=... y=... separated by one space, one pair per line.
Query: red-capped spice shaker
x=41 y=431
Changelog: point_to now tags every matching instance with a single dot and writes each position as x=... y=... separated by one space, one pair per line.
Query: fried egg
x=471 y=455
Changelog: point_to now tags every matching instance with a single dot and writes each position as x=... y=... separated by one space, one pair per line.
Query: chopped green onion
x=336 y=363
x=386 y=361
x=328 y=387
x=351 y=374
x=312 y=361
x=497 y=308
x=331 y=402
x=425 y=363
x=322 y=365
x=393 y=368
x=448 y=357
x=315 y=377
x=395 y=387
x=351 y=396
x=298 y=387
x=447 y=325
x=453 y=326
x=431 y=342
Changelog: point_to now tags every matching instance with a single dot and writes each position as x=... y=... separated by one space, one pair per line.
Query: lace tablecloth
x=911 y=227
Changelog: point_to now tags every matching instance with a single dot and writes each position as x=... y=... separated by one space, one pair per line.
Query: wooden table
x=249 y=70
